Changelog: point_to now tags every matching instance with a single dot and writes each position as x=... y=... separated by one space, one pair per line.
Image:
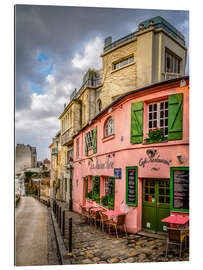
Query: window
x=172 y=63
x=109 y=127
x=106 y=186
x=90 y=139
x=77 y=148
x=158 y=116
x=123 y=62
x=99 y=105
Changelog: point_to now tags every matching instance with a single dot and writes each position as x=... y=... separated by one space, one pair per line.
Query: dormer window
x=172 y=62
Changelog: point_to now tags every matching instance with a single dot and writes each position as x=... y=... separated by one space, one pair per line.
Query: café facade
x=134 y=156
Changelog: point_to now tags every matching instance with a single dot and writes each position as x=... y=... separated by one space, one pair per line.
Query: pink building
x=134 y=156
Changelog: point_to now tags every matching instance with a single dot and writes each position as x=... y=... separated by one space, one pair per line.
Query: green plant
x=90 y=195
x=156 y=134
x=104 y=200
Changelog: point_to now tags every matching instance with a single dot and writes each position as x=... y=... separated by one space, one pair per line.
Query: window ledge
x=152 y=142
x=111 y=137
x=122 y=67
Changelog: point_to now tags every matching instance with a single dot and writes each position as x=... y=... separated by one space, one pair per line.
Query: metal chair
x=85 y=213
x=120 y=222
x=95 y=217
x=176 y=237
x=104 y=219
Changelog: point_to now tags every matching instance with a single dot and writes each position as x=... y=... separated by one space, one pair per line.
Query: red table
x=113 y=213
x=176 y=220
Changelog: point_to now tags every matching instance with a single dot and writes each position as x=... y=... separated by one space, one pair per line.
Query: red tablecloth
x=113 y=213
x=176 y=220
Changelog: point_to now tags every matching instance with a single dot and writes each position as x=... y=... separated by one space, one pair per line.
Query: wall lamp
x=179 y=157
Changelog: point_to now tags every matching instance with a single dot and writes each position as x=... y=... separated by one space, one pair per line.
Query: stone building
x=26 y=157
x=154 y=53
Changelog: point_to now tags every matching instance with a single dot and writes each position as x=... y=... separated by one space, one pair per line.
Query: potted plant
x=156 y=135
x=90 y=195
x=104 y=200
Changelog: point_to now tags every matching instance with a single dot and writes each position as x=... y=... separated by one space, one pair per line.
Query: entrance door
x=155 y=203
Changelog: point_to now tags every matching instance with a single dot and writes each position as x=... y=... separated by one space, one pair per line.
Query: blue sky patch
x=35 y=89
x=42 y=58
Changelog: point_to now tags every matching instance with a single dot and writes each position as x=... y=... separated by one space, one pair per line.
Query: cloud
x=91 y=55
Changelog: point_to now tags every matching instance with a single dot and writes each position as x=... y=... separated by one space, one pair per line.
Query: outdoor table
x=113 y=213
x=178 y=220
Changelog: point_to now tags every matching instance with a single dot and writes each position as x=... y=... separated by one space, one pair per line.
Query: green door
x=155 y=204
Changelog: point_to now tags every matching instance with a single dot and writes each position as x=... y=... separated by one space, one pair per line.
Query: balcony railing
x=170 y=76
x=89 y=82
x=65 y=137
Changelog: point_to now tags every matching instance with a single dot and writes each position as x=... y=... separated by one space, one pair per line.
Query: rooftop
x=156 y=22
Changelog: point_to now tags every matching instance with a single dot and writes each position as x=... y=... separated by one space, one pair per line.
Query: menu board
x=131 y=188
x=110 y=186
x=181 y=189
x=96 y=184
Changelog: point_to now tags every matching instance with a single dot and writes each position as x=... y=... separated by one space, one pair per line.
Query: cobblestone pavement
x=92 y=246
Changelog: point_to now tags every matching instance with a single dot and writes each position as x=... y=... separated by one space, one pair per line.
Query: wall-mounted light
x=179 y=157
x=113 y=154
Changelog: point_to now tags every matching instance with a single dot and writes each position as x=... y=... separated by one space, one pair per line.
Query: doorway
x=155 y=204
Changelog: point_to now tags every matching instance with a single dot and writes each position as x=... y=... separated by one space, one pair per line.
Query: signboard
x=131 y=185
x=180 y=183
x=118 y=173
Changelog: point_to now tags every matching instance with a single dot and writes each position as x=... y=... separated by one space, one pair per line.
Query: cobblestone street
x=91 y=245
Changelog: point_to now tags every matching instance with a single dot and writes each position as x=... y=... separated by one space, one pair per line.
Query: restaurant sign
x=153 y=158
x=101 y=166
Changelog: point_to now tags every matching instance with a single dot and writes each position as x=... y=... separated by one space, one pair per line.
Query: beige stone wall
x=118 y=81
x=85 y=107
x=144 y=58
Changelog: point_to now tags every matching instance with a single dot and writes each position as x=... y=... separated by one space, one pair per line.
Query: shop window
x=123 y=62
x=158 y=116
x=109 y=193
x=172 y=62
x=109 y=127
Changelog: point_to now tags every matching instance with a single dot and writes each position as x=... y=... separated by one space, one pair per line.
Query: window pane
x=154 y=124
x=162 y=114
x=166 y=131
x=161 y=123
x=155 y=107
x=150 y=107
x=150 y=124
x=150 y=116
x=166 y=113
x=166 y=122
x=162 y=105
x=155 y=115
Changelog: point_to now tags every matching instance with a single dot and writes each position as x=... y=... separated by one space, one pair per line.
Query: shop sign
x=154 y=158
x=101 y=166
x=118 y=173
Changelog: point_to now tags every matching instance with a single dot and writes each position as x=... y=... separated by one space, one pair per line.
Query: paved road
x=31 y=233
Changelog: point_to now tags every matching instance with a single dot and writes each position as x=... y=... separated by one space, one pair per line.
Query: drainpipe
x=71 y=185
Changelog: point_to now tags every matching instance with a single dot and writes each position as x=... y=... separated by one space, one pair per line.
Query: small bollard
x=70 y=238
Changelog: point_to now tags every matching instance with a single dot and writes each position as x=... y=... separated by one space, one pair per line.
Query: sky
x=54 y=47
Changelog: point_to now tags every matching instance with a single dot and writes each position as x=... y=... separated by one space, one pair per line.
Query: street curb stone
x=65 y=259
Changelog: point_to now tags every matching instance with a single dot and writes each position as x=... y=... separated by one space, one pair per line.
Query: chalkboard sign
x=180 y=183
x=131 y=185
x=97 y=184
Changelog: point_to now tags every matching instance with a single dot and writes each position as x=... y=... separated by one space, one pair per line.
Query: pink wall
x=127 y=154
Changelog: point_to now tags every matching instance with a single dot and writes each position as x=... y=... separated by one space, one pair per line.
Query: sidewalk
x=91 y=245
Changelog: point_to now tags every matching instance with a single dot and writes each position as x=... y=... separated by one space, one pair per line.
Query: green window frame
x=86 y=186
x=134 y=170
x=172 y=170
x=91 y=140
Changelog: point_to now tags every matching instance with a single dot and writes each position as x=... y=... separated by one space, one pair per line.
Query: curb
x=65 y=259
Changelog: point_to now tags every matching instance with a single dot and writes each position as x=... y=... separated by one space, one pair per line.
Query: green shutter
x=95 y=140
x=95 y=190
x=86 y=145
x=137 y=122
x=86 y=186
x=111 y=195
x=175 y=116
